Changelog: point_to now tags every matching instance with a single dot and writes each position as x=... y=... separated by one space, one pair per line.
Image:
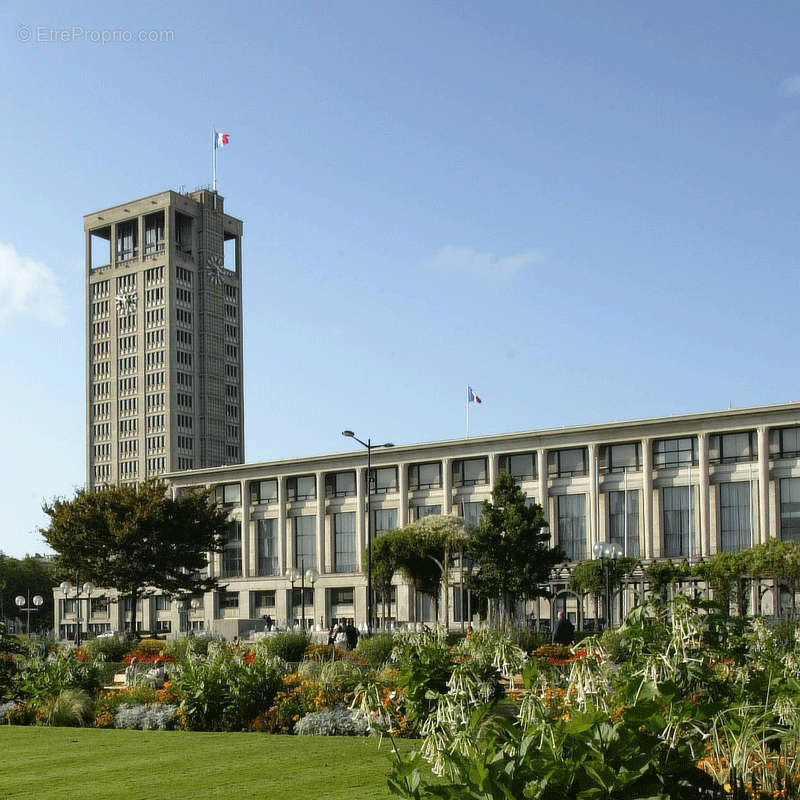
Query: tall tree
x=136 y=538
x=31 y=575
x=423 y=552
x=510 y=549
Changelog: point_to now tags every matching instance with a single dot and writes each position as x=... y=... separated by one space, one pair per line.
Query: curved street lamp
x=368 y=444
x=66 y=589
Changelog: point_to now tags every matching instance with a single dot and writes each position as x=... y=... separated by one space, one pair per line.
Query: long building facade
x=163 y=337
x=678 y=487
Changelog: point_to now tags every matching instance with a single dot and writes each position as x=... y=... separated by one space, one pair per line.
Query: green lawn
x=88 y=764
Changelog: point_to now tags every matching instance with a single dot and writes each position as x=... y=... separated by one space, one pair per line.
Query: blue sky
x=588 y=211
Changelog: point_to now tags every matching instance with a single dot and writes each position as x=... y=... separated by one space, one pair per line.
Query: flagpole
x=467 y=413
x=214 y=158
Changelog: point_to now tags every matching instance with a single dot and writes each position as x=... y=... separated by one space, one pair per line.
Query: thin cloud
x=28 y=287
x=791 y=85
x=475 y=262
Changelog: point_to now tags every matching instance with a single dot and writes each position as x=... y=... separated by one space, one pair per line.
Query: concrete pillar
x=647 y=497
x=763 y=485
x=321 y=520
x=281 y=533
x=494 y=461
x=402 y=511
x=594 y=527
x=541 y=471
x=703 y=499
x=361 y=501
x=447 y=486
x=248 y=551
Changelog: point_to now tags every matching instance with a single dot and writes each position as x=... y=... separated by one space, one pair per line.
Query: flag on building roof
x=471 y=396
x=222 y=139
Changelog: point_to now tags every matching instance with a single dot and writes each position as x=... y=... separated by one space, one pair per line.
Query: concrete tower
x=163 y=337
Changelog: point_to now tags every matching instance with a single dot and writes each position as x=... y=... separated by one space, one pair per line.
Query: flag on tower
x=222 y=139
x=471 y=396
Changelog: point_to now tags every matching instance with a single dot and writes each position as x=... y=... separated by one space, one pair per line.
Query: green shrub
x=44 y=679
x=309 y=670
x=375 y=650
x=614 y=643
x=339 y=676
x=527 y=639
x=108 y=648
x=180 y=648
x=290 y=646
x=70 y=708
x=222 y=691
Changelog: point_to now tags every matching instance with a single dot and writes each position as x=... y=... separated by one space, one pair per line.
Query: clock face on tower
x=215 y=269
x=126 y=302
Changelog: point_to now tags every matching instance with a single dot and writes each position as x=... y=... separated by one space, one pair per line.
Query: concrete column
x=647 y=496
x=447 y=486
x=248 y=552
x=361 y=502
x=281 y=529
x=402 y=511
x=321 y=520
x=594 y=527
x=763 y=486
x=703 y=499
x=494 y=461
x=541 y=469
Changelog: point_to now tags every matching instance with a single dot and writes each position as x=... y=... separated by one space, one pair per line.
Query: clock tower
x=164 y=337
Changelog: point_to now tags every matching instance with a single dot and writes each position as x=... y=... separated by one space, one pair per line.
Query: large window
x=572 y=525
x=383 y=520
x=790 y=509
x=232 y=551
x=623 y=521
x=520 y=466
x=734 y=516
x=383 y=480
x=471 y=512
x=675 y=452
x=425 y=476
x=264 y=599
x=267 y=533
x=344 y=542
x=566 y=463
x=621 y=457
x=785 y=442
x=228 y=494
x=725 y=448
x=340 y=484
x=305 y=541
x=470 y=471
x=428 y=511
x=678 y=522
x=229 y=600
x=342 y=597
x=301 y=488
x=264 y=491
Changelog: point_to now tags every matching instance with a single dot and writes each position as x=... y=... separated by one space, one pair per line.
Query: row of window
x=735 y=523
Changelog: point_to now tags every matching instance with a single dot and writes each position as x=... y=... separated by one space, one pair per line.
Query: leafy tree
x=18 y=576
x=510 y=549
x=422 y=552
x=590 y=576
x=724 y=573
x=662 y=574
x=779 y=560
x=136 y=538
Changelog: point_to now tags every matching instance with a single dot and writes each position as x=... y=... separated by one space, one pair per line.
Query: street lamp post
x=20 y=601
x=608 y=554
x=311 y=576
x=368 y=444
x=293 y=575
x=66 y=589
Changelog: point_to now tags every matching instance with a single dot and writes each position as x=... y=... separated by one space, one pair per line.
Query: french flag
x=471 y=396
x=222 y=139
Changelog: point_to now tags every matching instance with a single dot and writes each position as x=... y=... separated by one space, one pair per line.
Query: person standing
x=564 y=630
